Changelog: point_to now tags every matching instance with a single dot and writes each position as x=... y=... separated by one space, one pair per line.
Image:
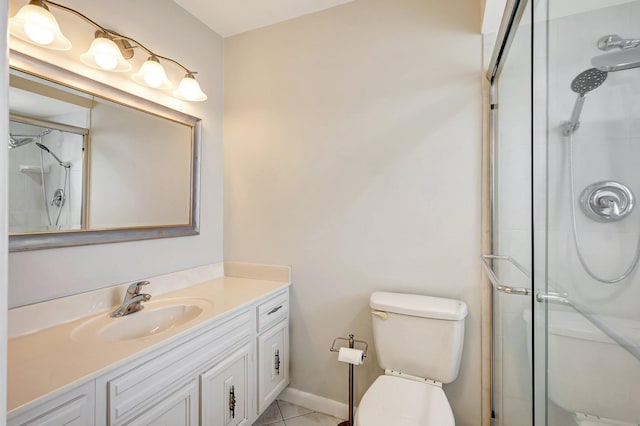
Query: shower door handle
x=495 y=281
x=554 y=297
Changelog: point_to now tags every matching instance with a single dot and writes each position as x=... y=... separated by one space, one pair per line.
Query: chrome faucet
x=132 y=300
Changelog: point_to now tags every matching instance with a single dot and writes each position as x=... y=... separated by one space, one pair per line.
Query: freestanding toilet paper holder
x=352 y=341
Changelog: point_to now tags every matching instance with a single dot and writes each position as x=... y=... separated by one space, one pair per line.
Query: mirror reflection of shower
x=45 y=173
x=59 y=196
x=604 y=201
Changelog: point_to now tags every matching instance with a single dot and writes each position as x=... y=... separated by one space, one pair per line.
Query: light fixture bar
x=75 y=12
x=136 y=43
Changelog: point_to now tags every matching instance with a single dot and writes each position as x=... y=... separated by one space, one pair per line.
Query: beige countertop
x=54 y=358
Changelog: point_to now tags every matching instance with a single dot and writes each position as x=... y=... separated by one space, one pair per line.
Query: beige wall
x=166 y=28
x=353 y=153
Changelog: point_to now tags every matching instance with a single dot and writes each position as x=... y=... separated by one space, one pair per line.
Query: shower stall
x=565 y=225
x=46 y=182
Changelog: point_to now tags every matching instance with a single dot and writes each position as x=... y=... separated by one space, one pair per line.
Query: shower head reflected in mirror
x=16 y=141
x=64 y=164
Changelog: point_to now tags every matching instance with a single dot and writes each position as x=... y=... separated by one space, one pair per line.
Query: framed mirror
x=91 y=164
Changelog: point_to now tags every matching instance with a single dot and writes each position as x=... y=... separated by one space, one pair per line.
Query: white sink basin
x=156 y=317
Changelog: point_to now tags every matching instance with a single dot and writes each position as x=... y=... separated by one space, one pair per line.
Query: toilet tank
x=418 y=335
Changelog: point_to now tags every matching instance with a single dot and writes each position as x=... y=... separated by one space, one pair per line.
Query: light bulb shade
x=37 y=25
x=104 y=54
x=189 y=90
x=152 y=74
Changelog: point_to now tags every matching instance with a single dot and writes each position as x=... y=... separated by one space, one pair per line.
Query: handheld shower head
x=582 y=84
x=588 y=80
x=42 y=147
x=64 y=164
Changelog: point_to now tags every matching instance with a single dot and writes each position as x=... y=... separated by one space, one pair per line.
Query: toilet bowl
x=396 y=401
x=418 y=341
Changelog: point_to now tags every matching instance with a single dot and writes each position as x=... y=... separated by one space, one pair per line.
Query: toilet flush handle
x=380 y=314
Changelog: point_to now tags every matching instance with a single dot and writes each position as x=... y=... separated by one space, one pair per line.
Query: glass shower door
x=591 y=290
x=565 y=223
x=511 y=260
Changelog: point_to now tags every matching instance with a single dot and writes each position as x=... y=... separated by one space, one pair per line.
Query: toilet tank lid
x=419 y=306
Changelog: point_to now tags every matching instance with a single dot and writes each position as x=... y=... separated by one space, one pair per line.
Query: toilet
x=418 y=341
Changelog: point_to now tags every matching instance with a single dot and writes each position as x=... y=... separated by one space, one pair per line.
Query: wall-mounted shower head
x=584 y=83
x=64 y=164
x=628 y=55
x=16 y=141
x=617 y=61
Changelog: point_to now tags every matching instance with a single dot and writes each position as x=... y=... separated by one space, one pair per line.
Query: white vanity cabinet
x=273 y=349
x=223 y=372
x=147 y=384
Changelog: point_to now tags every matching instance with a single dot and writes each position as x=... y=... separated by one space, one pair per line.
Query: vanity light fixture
x=189 y=89
x=109 y=50
x=105 y=54
x=35 y=24
x=152 y=74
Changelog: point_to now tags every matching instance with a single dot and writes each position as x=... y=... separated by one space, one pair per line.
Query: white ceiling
x=230 y=17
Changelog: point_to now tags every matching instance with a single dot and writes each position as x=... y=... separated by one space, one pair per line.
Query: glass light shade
x=37 y=25
x=189 y=90
x=104 y=54
x=152 y=74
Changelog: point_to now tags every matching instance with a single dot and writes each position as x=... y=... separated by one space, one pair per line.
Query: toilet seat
x=403 y=402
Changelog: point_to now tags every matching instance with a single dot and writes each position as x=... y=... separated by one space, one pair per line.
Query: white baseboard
x=315 y=402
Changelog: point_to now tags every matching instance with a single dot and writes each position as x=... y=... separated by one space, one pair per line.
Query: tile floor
x=282 y=413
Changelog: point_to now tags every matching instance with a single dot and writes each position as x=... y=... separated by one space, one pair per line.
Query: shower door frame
x=512 y=17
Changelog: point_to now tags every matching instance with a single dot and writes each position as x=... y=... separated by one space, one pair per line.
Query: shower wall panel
x=605 y=147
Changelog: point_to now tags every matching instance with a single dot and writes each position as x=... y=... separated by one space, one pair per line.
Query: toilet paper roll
x=352 y=356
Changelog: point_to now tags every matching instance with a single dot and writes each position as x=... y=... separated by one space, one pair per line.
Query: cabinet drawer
x=273 y=364
x=273 y=310
x=149 y=381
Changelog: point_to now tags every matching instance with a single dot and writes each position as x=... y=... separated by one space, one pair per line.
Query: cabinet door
x=74 y=408
x=224 y=391
x=273 y=364
x=180 y=408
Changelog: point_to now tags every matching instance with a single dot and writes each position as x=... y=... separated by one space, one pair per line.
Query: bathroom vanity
x=216 y=354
